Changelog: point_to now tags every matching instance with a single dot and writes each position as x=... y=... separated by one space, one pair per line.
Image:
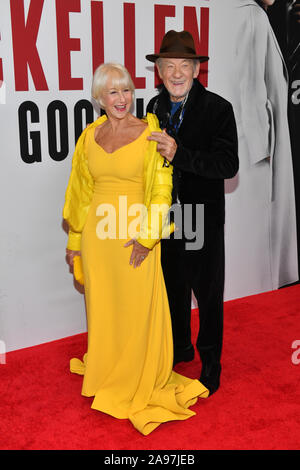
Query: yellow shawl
x=157 y=186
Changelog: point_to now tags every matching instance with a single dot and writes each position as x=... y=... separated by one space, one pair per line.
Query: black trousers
x=203 y=272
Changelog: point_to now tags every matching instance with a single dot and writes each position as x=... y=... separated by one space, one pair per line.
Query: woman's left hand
x=139 y=253
x=70 y=256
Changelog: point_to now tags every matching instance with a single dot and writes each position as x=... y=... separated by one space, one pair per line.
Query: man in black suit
x=199 y=137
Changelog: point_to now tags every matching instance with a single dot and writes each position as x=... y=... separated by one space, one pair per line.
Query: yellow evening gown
x=128 y=364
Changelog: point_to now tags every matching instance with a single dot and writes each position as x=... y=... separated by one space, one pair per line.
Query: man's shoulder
x=211 y=104
x=214 y=98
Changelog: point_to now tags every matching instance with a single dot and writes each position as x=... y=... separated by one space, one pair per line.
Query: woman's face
x=116 y=100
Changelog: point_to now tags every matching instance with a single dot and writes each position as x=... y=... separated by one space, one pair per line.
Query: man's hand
x=166 y=145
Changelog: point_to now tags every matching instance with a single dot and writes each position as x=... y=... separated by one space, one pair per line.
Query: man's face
x=178 y=75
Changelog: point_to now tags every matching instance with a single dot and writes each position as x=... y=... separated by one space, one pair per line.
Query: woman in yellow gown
x=116 y=174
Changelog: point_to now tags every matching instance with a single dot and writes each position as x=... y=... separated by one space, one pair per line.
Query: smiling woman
x=128 y=365
x=114 y=90
x=111 y=78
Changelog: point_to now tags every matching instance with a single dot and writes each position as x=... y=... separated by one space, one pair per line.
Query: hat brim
x=176 y=55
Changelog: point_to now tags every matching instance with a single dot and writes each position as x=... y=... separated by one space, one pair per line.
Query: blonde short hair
x=119 y=75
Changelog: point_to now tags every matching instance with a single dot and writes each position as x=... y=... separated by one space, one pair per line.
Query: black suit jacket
x=207 y=151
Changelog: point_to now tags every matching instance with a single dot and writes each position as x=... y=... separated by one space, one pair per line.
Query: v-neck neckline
x=123 y=146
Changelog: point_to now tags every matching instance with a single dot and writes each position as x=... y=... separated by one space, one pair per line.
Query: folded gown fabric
x=128 y=365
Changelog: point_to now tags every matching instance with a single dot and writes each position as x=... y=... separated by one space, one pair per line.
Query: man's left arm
x=221 y=160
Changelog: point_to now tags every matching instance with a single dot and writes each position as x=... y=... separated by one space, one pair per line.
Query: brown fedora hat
x=177 y=45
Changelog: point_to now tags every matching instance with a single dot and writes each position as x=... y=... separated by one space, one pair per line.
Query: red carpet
x=257 y=406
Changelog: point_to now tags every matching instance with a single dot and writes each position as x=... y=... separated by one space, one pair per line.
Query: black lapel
x=162 y=106
x=192 y=103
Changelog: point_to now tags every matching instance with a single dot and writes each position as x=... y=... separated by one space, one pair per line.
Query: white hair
x=116 y=72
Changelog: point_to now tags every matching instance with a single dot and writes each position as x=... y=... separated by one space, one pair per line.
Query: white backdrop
x=38 y=301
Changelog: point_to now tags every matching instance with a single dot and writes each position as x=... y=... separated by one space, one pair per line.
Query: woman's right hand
x=70 y=256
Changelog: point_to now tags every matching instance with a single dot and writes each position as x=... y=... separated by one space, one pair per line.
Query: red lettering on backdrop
x=65 y=44
x=129 y=44
x=201 y=42
x=24 y=37
x=97 y=33
x=161 y=12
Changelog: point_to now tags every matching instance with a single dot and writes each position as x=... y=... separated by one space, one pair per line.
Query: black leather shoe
x=210 y=378
x=184 y=355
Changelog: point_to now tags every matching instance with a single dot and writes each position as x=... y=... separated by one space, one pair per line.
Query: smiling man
x=199 y=138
